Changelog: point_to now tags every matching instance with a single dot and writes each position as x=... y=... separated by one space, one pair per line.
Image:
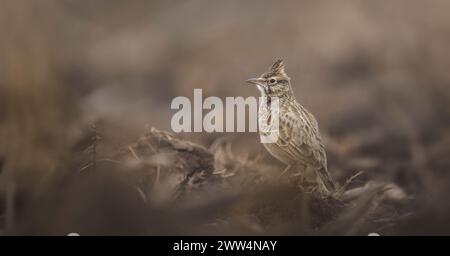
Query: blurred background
x=374 y=73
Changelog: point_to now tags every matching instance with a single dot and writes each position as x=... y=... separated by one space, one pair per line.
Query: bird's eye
x=272 y=81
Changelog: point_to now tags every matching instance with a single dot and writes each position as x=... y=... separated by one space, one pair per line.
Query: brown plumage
x=299 y=143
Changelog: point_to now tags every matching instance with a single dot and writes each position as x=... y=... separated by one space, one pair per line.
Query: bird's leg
x=294 y=167
x=305 y=177
x=299 y=171
x=285 y=170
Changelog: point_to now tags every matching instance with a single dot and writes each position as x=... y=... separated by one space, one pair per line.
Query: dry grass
x=165 y=185
x=373 y=73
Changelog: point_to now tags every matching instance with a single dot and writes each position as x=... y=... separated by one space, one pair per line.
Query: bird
x=299 y=144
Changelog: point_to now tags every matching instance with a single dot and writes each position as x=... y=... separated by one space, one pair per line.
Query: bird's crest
x=277 y=69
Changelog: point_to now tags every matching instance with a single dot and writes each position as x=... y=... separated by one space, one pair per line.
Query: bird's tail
x=326 y=179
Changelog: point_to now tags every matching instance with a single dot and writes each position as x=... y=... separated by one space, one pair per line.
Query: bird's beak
x=257 y=81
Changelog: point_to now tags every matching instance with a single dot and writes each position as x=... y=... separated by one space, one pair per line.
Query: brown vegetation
x=374 y=73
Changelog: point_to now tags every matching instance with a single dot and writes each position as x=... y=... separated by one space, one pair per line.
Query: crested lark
x=299 y=143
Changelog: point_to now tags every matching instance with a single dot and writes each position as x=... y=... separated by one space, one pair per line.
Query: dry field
x=85 y=92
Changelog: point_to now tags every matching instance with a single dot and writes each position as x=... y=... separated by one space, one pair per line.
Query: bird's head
x=274 y=82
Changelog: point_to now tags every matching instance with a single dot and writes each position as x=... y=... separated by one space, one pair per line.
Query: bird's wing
x=300 y=138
